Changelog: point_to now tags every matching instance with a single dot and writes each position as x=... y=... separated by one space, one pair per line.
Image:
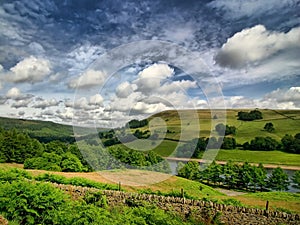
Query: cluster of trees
x=250 y=116
x=119 y=136
x=16 y=147
x=288 y=143
x=262 y=143
x=196 y=147
x=66 y=162
x=120 y=157
x=291 y=143
x=26 y=202
x=137 y=123
x=225 y=129
x=230 y=175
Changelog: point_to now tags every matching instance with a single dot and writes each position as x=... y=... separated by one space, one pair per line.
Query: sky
x=113 y=61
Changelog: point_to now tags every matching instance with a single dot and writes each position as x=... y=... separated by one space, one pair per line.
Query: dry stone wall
x=229 y=214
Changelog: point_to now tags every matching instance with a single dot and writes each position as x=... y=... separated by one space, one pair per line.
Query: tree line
x=235 y=176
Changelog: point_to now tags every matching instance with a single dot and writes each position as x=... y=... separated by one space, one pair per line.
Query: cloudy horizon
x=50 y=52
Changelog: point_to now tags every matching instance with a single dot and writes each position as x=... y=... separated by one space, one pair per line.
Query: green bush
x=13 y=174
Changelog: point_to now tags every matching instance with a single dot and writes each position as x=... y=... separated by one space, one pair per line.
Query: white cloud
x=125 y=89
x=96 y=99
x=177 y=86
x=30 y=70
x=13 y=93
x=43 y=104
x=21 y=103
x=150 y=78
x=290 y=95
x=88 y=79
x=161 y=71
x=256 y=44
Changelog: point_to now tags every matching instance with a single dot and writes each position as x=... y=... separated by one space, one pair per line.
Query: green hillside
x=285 y=122
x=44 y=131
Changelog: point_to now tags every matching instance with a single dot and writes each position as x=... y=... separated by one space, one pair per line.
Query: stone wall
x=204 y=209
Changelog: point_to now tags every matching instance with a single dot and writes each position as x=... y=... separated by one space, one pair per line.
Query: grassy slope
x=265 y=157
x=285 y=122
x=36 y=127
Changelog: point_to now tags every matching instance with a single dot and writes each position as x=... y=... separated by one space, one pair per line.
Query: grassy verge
x=282 y=201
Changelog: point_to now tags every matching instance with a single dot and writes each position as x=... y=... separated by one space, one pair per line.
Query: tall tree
x=296 y=179
x=278 y=180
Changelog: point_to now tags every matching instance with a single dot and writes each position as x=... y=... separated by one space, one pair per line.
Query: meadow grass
x=264 y=157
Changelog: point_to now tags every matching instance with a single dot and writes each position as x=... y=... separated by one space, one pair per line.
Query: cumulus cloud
x=43 y=103
x=29 y=70
x=256 y=44
x=125 y=89
x=15 y=94
x=88 y=79
x=150 y=78
x=96 y=99
x=83 y=103
x=290 y=95
x=21 y=103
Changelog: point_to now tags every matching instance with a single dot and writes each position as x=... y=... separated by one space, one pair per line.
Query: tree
x=245 y=176
x=291 y=144
x=278 y=180
x=249 y=116
x=225 y=129
x=214 y=173
x=230 y=171
x=70 y=163
x=269 y=127
x=228 y=143
x=189 y=170
x=296 y=179
x=259 y=177
x=261 y=143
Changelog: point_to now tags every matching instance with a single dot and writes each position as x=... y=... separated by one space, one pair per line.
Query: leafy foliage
x=249 y=116
x=278 y=180
x=291 y=144
x=296 y=179
x=234 y=176
x=27 y=202
x=137 y=123
x=261 y=143
x=225 y=129
x=269 y=127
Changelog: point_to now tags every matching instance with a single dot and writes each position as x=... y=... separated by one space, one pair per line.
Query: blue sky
x=51 y=52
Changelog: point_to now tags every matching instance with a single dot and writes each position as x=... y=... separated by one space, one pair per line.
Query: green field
x=285 y=122
x=265 y=157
